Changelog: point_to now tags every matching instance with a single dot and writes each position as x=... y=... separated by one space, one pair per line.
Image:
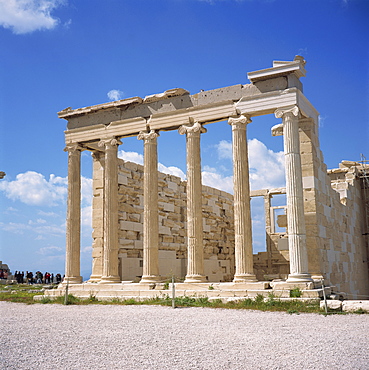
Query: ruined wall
x=218 y=225
x=346 y=260
x=334 y=219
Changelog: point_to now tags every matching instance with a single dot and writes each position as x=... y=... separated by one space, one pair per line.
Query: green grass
x=20 y=293
x=25 y=294
x=295 y=293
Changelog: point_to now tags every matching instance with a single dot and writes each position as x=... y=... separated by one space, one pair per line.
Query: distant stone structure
x=5 y=274
x=4 y=267
x=149 y=226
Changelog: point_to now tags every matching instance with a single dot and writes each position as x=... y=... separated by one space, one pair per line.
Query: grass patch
x=25 y=293
x=20 y=293
x=295 y=293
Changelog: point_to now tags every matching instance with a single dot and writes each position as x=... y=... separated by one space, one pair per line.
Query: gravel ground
x=154 y=337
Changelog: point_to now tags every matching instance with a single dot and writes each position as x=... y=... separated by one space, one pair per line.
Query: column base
x=299 y=278
x=72 y=280
x=94 y=279
x=150 y=279
x=317 y=276
x=244 y=278
x=195 y=279
x=109 y=280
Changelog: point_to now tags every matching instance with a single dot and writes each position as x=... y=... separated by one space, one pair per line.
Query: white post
x=294 y=192
x=73 y=227
x=98 y=215
x=195 y=263
x=110 y=263
x=242 y=214
x=151 y=215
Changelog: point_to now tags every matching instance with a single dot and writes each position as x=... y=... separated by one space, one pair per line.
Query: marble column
x=151 y=214
x=110 y=258
x=98 y=215
x=73 y=226
x=294 y=192
x=267 y=205
x=195 y=249
x=242 y=214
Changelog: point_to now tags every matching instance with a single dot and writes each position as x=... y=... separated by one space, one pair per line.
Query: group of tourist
x=37 y=278
x=3 y=274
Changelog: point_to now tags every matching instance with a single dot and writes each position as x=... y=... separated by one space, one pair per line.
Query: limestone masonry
x=149 y=226
x=218 y=226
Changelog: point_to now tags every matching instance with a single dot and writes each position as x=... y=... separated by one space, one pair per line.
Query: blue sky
x=60 y=53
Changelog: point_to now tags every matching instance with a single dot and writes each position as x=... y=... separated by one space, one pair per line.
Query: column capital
x=280 y=112
x=147 y=136
x=96 y=154
x=73 y=147
x=242 y=119
x=109 y=142
x=195 y=128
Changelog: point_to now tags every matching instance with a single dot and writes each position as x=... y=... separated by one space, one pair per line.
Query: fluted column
x=151 y=215
x=73 y=226
x=242 y=214
x=195 y=263
x=267 y=204
x=294 y=192
x=110 y=260
x=98 y=215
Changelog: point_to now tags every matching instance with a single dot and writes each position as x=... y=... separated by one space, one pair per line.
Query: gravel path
x=154 y=337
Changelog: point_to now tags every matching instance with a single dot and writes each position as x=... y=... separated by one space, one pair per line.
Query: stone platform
x=225 y=291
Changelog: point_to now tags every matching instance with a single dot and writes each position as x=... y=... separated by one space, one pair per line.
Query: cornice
x=279 y=68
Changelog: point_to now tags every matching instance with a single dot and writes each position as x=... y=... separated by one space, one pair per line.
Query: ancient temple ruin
x=149 y=226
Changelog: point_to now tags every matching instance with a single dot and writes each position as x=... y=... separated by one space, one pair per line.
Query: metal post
x=66 y=294
x=324 y=297
x=173 y=294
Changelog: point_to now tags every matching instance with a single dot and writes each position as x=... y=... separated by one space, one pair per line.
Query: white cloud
x=49 y=250
x=224 y=149
x=86 y=190
x=172 y=170
x=131 y=157
x=37 y=222
x=33 y=189
x=13 y=227
x=266 y=166
x=47 y=214
x=211 y=177
x=86 y=249
x=115 y=94
x=86 y=216
x=11 y=211
x=25 y=16
x=321 y=120
x=38 y=228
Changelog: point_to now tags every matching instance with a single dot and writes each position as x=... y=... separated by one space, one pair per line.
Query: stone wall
x=217 y=224
x=334 y=215
x=345 y=259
